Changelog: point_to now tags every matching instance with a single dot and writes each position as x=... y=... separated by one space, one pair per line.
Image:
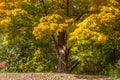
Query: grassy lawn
x=50 y=76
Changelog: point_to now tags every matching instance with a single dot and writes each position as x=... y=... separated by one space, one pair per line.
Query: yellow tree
x=70 y=20
x=16 y=22
x=64 y=21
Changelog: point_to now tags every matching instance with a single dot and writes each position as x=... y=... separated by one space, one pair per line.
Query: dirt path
x=49 y=76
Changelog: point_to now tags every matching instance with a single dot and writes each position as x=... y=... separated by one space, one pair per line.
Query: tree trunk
x=62 y=52
x=61 y=47
x=62 y=61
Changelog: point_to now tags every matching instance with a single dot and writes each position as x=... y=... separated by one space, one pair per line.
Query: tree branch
x=74 y=66
x=44 y=7
x=67 y=7
x=82 y=13
x=79 y=17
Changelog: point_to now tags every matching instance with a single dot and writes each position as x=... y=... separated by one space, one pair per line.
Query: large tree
x=72 y=20
x=63 y=21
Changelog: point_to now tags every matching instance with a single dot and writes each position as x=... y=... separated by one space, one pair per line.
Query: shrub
x=114 y=70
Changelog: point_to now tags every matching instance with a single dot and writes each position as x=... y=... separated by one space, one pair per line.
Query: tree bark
x=60 y=44
x=62 y=52
x=62 y=61
x=67 y=7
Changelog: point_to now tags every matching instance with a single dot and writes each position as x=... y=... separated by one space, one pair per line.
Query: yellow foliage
x=51 y=24
x=92 y=26
x=6 y=40
x=102 y=38
x=93 y=7
x=5 y=21
x=2 y=5
x=5 y=24
x=16 y=12
x=114 y=2
x=69 y=20
x=108 y=17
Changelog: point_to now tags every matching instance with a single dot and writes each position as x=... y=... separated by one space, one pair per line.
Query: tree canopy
x=66 y=30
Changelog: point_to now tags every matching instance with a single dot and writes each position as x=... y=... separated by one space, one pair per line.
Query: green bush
x=114 y=70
